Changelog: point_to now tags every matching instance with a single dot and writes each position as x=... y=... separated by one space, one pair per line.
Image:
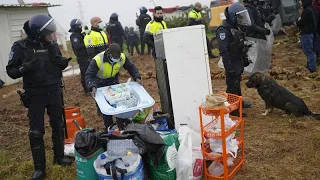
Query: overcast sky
x=126 y=9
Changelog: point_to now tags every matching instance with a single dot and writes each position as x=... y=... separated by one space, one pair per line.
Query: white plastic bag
x=232 y=145
x=189 y=158
x=69 y=150
x=276 y=24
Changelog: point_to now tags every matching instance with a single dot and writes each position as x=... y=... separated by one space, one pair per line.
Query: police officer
x=153 y=27
x=195 y=18
x=266 y=11
x=104 y=71
x=115 y=30
x=257 y=28
x=142 y=22
x=96 y=40
x=133 y=41
x=232 y=47
x=37 y=59
x=79 y=50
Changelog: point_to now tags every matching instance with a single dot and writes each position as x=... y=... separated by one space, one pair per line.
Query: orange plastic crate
x=217 y=135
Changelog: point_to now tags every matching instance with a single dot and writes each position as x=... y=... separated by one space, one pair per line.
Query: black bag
x=316 y=40
x=87 y=142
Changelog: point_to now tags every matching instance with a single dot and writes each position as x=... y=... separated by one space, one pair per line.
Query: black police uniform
x=257 y=29
x=42 y=84
x=116 y=32
x=142 y=22
x=93 y=80
x=80 y=51
x=233 y=52
x=133 y=41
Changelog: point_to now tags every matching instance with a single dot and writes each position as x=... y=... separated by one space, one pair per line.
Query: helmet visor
x=48 y=28
x=243 y=18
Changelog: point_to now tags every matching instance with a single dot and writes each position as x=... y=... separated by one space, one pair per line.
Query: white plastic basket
x=145 y=101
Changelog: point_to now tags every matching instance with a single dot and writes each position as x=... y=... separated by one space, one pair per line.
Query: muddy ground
x=276 y=146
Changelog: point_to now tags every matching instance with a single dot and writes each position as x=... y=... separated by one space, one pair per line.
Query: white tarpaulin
x=259 y=54
x=276 y=24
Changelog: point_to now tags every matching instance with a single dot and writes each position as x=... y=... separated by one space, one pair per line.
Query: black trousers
x=53 y=104
x=233 y=84
x=234 y=87
x=134 y=46
x=209 y=47
x=143 y=43
x=83 y=64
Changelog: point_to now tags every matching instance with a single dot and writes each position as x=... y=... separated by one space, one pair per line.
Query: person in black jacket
x=257 y=29
x=37 y=59
x=112 y=61
x=142 y=22
x=79 y=50
x=115 y=30
x=233 y=49
x=307 y=32
x=133 y=41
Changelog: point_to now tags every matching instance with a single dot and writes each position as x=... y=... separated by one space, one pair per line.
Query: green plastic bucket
x=84 y=165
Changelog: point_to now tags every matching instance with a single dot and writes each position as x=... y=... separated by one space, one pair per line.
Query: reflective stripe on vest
x=106 y=69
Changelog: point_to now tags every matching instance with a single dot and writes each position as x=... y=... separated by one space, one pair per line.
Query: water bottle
x=103 y=160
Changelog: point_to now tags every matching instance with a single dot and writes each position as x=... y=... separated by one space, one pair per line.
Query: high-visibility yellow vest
x=106 y=69
x=154 y=26
x=195 y=15
x=95 y=39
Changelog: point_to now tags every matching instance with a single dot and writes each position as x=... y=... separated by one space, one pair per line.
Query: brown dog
x=276 y=96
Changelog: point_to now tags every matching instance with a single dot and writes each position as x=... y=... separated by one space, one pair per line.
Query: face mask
x=102 y=25
x=158 y=19
x=114 y=60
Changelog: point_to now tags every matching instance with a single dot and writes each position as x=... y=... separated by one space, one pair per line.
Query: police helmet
x=114 y=16
x=143 y=10
x=76 y=24
x=41 y=25
x=131 y=29
x=237 y=14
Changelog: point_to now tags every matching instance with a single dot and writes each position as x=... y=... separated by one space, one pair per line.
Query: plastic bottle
x=103 y=160
x=216 y=168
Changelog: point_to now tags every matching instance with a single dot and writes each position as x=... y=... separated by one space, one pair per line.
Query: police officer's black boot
x=39 y=161
x=58 y=150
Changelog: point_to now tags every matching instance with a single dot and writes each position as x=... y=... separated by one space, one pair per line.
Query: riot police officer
x=79 y=50
x=115 y=30
x=104 y=71
x=142 y=22
x=232 y=47
x=37 y=59
x=257 y=28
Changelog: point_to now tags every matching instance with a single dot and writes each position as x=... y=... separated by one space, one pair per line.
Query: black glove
x=267 y=32
x=246 y=61
x=30 y=66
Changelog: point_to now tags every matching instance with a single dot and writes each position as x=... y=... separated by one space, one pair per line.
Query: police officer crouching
x=79 y=50
x=104 y=71
x=38 y=60
x=233 y=49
